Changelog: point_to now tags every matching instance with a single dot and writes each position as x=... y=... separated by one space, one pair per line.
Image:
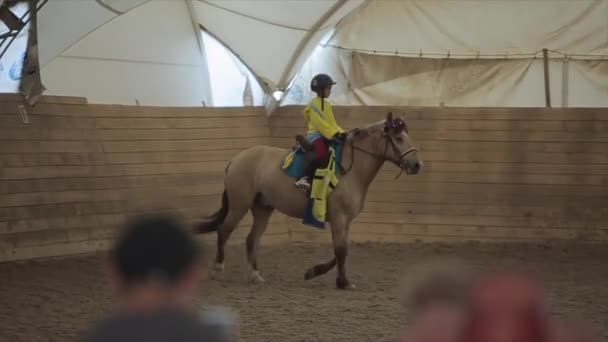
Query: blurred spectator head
x=437 y=294
x=443 y=282
x=508 y=306
x=156 y=251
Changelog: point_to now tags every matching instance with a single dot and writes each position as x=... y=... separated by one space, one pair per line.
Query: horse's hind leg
x=261 y=216
x=235 y=215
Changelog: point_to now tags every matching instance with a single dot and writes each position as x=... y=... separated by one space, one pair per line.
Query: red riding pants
x=321 y=151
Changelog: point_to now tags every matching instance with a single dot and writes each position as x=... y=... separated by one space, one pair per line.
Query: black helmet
x=321 y=81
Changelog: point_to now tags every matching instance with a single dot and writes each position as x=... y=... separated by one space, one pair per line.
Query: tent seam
x=108 y=7
x=295 y=28
x=89 y=33
x=307 y=38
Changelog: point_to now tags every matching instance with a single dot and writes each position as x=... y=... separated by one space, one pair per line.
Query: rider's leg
x=321 y=149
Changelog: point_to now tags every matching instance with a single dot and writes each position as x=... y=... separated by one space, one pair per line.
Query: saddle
x=302 y=154
x=304 y=144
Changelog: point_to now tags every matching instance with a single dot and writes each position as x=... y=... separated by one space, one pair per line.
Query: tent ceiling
x=274 y=38
x=271 y=37
x=267 y=34
x=472 y=26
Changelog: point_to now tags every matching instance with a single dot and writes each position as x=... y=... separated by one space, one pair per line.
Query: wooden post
x=547 y=87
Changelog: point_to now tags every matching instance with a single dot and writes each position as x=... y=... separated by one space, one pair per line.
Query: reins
x=387 y=139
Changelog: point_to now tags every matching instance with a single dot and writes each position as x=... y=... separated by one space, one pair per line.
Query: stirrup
x=303 y=184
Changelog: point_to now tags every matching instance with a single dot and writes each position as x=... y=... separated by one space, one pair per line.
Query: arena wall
x=491 y=174
x=72 y=174
x=76 y=171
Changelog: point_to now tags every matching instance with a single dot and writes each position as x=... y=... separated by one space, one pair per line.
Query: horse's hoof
x=212 y=274
x=255 y=277
x=215 y=271
x=343 y=284
x=310 y=274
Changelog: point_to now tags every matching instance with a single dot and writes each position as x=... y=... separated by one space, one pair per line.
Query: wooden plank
x=480 y=221
x=93 y=246
x=166 y=175
x=100 y=158
x=503 y=178
x=428 y=238
x=481 y=188
x=464 y=231
x=130 y=134
x=84 y=110
x=50 y=146
x=204 y=204
x=114 y=220
x=286 y=140
x=137 y=157
x=183 y=134
x=509 y=168
x=171 y=122
x=40 y=172
x=172 y=112
x=488 y=198
x=282 y=124
x=515 y=157
x=409 y=238
x=62 y=249
x=128 y=146
x=528 y=146
x=13 y=200
x=180 y=145
x=26 y=133
x=84 y=122
x=375 y=113
x=151 y=175
x=310 y=237
x=65 y=100
x=487 y=231
x=487 y=135
x=547 y=210
x=39 y=121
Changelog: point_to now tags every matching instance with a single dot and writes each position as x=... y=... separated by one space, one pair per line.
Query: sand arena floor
x=54 y=300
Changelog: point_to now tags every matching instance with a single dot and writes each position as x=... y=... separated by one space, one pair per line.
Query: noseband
x=387 y=141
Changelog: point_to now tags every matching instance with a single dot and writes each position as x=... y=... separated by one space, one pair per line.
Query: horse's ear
x=389 y=117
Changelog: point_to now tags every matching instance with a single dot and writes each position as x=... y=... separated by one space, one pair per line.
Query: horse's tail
x=215 y=220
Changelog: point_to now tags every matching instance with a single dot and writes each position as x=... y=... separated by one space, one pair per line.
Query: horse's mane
x=378 y=125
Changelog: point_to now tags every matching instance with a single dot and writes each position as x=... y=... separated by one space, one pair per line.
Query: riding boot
x=305 y=182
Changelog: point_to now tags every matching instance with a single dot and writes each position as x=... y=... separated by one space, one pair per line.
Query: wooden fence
x=72 y=174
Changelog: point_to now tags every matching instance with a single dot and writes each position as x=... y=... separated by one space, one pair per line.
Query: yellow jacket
x=321 y=118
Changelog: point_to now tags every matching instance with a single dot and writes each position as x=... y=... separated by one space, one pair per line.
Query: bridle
x=388 y=140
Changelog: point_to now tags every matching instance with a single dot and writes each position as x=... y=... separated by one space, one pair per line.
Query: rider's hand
x=340 y=136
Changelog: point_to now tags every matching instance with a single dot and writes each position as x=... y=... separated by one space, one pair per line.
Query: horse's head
x=390 y=139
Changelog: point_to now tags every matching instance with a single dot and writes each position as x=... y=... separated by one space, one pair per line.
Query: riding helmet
x=321 y=81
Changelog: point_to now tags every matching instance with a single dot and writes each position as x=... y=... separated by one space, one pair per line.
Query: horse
x=255 y=182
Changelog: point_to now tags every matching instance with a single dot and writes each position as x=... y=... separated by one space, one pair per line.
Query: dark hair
x=154 y=246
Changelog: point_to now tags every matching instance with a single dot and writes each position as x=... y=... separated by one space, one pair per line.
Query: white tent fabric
x=11 y=63
x=465 y=53
x=267 y=35
x=149 y=55
x=368 y=79
x=487 y=27
x=150 y=51
x=381 y=52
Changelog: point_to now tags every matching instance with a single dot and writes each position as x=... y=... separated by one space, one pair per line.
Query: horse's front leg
x=339 y=230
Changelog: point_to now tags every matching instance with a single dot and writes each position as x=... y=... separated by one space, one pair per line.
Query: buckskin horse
x=255 y=182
